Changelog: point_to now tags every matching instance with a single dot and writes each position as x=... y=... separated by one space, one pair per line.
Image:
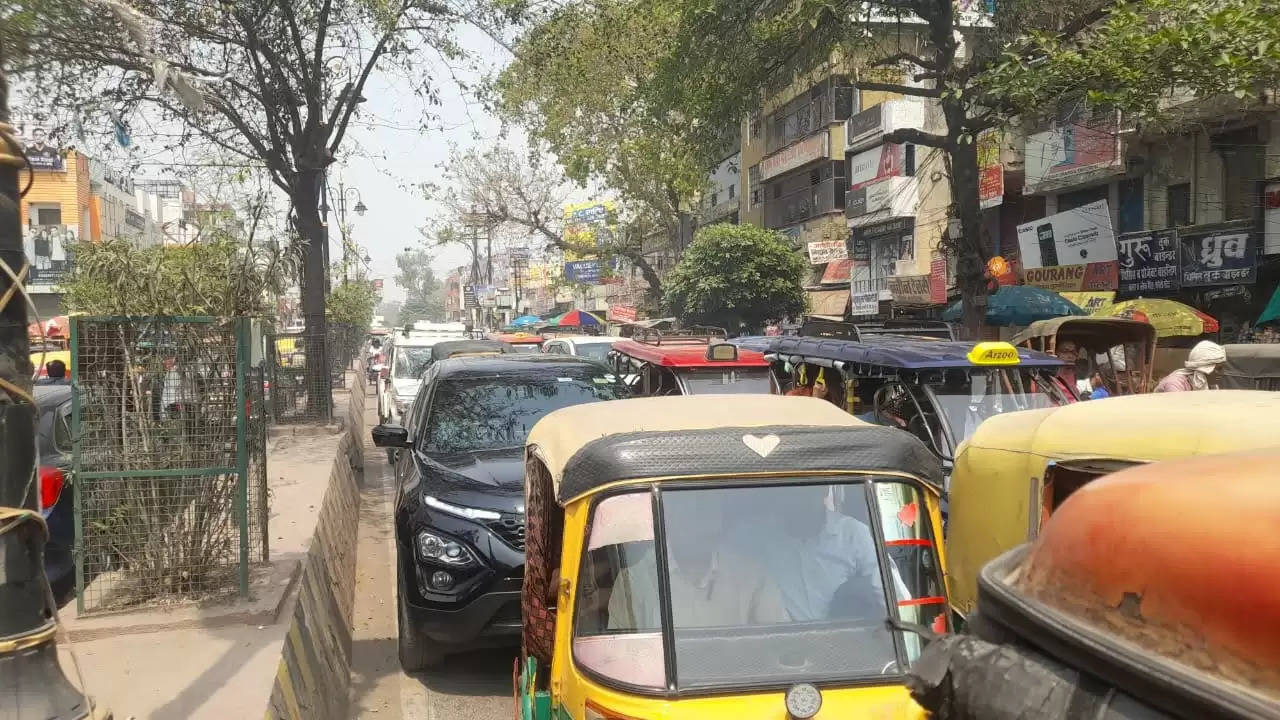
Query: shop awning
x=828 y=302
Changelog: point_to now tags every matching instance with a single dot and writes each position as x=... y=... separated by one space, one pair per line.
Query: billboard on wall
x=43 y=151
x=1149 y=262
x=825 y=251
x=1074 y=237
x=876 y=164
x=1071 y=150
x=588 y=227
x=49 y=250
x=1073 y=278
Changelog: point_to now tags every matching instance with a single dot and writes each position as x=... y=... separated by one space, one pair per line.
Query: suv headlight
x=439 y=549
x=459 y=510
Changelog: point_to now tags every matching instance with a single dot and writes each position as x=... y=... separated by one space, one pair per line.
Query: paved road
x=469 y=687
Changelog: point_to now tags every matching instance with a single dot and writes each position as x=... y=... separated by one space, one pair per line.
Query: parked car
x=53 y=441
x=459 y=506
x=592 y=347
x=408 y=355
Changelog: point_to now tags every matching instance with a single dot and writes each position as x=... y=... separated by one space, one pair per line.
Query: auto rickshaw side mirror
x=390 y=436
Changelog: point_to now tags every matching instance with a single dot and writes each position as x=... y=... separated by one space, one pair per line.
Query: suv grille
x=510 y=527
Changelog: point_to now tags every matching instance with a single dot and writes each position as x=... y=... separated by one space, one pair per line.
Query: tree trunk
x=306 y=203
x=972 y=254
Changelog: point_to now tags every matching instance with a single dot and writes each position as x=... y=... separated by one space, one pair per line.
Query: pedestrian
x=1098 y=387
x=1204 y=359
x=773 y=329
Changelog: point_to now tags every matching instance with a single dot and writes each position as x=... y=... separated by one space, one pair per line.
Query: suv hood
x=502 y=469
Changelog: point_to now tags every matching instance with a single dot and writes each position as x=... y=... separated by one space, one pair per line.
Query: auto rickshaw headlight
x=433 y=548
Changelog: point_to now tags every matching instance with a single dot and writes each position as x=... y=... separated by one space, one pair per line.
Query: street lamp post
x=360 y=208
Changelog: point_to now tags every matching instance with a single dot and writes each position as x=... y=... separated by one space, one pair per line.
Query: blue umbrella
x=524 y=320
x=1020 y=305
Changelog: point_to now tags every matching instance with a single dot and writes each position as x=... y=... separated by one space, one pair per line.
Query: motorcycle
x=375 y=369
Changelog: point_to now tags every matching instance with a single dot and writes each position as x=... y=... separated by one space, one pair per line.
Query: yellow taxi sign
x=994 y=353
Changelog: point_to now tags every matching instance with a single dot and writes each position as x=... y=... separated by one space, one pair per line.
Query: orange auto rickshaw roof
x=1179 y=558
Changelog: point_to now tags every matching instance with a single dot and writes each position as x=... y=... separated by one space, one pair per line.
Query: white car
x=592 y=347
x=408 y=356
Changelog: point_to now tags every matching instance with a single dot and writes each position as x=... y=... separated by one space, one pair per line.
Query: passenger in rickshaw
x=712 y=583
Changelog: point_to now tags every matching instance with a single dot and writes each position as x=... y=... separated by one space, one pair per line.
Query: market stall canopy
x=1170 y=318
x=525 y=320
x=1020 y=305
x=575 y=318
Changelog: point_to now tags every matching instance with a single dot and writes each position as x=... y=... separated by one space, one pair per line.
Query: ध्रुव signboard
x=1075 y=237
x=1148 y=262
x=1219 y=257
x=825 y=251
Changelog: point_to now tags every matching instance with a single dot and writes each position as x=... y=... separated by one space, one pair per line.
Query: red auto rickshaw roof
x=1179 y=558
x=517 y=338
x=685 y=355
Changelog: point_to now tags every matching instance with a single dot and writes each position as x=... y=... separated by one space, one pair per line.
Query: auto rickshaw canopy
x=1095 y=333
x=1181 y=609
x=1251 y=366
x=892 y=353
x=999 y=483
x=744 y=435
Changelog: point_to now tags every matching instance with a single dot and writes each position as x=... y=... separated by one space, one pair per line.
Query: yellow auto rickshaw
x=1151 y=594
x=1121 y=350
x=1018 y=467
x=725 y=556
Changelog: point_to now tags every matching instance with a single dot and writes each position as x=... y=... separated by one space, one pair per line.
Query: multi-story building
x=56 y=214
x=118 y=209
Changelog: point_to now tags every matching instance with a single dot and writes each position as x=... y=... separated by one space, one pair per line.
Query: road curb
x=313 y=677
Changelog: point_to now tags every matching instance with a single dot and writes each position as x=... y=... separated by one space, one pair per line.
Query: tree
x=277 y=83
x=575 y=84
x=735 y=275
x=424 y=298
x=351 y=303
x=727 y=52
x=509 y=193
x=220 y=277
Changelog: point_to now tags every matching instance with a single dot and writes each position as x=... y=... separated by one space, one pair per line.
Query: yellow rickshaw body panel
x=572 y=689
x=998 y=471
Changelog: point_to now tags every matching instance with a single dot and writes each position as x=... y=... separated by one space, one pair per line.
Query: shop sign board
x=1271 y=219
x=1219 y=257
x=1075 y=237
x=1148 y=262
x=990 y=169
x=938 y=280
x=793 y=156
x=864 y=303
x=825 y=251
x=1073 y=278
x=586 y=272
x=897 y=195
x=911 y=289
x=622 y=313
x=876 y=164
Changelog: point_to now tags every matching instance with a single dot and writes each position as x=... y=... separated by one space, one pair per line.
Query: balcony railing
x=796 y=123
x=810 y=202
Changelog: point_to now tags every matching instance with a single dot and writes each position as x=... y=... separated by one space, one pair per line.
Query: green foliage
x=351 y=303
x=220 y=278
x=734 y=275
x=424 y=294
x=1146 y=53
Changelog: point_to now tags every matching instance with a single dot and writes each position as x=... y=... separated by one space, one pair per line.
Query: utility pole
x=32 y=685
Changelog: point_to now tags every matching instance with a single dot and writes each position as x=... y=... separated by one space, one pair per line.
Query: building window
x=1129 y=216
x=1178 y=205
x=48 y=215
x=731 y=192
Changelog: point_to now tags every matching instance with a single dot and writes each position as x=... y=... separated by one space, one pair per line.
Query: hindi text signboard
x=1148 y=262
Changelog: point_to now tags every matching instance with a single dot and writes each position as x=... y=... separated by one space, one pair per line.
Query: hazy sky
x=390 y=156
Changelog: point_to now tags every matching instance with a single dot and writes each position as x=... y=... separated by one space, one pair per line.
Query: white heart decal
x=761 y=446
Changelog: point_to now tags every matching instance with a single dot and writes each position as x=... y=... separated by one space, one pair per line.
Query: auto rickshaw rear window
x=765 y=584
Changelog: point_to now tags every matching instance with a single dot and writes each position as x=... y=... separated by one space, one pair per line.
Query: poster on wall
x=1148 y=262
x=43 y=152
x=1075 y=237
x=1219 y=257
x=49 y=250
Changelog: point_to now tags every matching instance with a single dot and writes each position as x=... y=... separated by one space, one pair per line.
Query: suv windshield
x=731 y=380
x=411 y=361
x=768 y=584
x=488 y=413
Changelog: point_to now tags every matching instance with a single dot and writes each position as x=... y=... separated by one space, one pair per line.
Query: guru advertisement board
x=1149 y=262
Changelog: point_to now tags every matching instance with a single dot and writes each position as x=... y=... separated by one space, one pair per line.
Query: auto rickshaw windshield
x=722 y=381
x=758 y=584
x=966 y=399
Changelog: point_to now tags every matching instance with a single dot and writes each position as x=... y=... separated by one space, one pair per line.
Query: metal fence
x=169 y=460
x=297 y=396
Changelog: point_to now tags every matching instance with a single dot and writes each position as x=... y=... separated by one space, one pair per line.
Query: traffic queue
x=863 y=522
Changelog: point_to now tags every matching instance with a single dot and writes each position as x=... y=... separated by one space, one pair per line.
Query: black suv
x=459 y=509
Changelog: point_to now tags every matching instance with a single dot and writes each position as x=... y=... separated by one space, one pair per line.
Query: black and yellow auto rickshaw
x=1122 y=351
x=1150 y=594
x=1251 y=367
x=722 y=557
